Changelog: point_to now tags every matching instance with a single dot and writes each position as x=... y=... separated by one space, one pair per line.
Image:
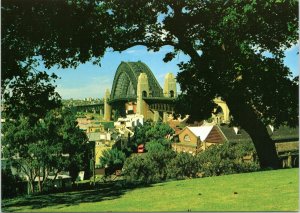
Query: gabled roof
x=201 y=131
x=283 y=133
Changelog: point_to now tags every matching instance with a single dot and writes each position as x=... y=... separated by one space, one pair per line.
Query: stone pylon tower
x=142 y=91
x=170 y=89
x=107 y=107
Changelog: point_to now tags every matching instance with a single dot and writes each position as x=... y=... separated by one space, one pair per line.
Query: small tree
x=182 y=166
x=112 y=159
x=151 y=132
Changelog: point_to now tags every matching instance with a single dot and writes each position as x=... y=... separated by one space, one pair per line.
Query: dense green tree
x=31 y=95
x=224 y=39
x=9 y=182
x=158 y=145
x=112 y=160
x=184 y=165
x=227 y=159
x=151 y=131
x=49 y=146
x=148 y=168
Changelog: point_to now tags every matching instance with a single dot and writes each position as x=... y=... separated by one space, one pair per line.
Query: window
x=171 y=93
x=187 y=138
x=144 y=94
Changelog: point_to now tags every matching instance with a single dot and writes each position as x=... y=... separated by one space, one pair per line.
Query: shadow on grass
x=98 y=193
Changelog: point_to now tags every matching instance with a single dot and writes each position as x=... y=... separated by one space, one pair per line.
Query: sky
x=89 y=80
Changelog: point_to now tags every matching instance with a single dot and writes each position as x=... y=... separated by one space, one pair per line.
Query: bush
x=184 y=165
x=158 y=145
x=147 y=168
x=113 y=159
x=161 y=163
x=227 y=159
x=139 y=169
x=10 y=183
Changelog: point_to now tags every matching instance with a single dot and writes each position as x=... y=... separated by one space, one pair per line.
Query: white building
x=130 y=121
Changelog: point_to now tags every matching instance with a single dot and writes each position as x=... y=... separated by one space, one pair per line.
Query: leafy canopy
x=225 y=40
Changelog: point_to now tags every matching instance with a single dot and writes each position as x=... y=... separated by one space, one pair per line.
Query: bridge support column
x=165 y=117
x=107 y=107
x=142 y=91
x=170 y=89
x=225 y=109
x=156 y=116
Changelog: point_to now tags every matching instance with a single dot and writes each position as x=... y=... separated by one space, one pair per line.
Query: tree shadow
x=98 y=193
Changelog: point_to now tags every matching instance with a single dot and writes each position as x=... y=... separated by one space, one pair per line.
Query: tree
x=224 y=39
x=158 y=145
x=49 y=146
x=112 y=159
x=151 y=132
x=148 y=168
x=182 y=166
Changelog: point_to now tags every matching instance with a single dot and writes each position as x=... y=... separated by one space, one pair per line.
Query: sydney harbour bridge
x=135 y=90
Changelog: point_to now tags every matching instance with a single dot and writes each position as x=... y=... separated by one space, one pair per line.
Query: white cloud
x=95 y=89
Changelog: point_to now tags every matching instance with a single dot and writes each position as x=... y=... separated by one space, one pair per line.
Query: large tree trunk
x=248 y=120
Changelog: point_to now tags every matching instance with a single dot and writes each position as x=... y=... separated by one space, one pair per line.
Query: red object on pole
x=140 y=148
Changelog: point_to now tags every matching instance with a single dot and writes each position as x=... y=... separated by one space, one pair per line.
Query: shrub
x=227 y=159
x=147 y=168
x=158 y=145
x=113 y=159
x=139 y=169
x=10 y=183
x=184 y=165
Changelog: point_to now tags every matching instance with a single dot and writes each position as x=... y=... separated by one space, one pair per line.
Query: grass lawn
x=259 y=191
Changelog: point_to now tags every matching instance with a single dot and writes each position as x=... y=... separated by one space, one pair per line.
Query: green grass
x=259 y=191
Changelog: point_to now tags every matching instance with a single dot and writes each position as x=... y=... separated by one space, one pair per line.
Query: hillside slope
x=260 y=191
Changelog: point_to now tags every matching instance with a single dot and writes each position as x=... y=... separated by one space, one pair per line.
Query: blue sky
x=89 y=80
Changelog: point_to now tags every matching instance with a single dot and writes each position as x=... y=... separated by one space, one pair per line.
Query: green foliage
x=51 y=145
x=140 y=169
x=227 y=159
x=225 y=61
x=31 y=95
x=148 y=168
x=184 y=165
x=158 y=145
x=112 y=159
x=9 y=189
x=161 y=163
x=151 y=132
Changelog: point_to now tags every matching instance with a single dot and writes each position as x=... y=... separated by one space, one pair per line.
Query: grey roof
x=94 y=136
x=283 y=133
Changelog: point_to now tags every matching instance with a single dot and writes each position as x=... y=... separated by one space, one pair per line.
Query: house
x=130 y=121
x=102 y=141
x=95 y=128
x=286 y=141
x=198 y=138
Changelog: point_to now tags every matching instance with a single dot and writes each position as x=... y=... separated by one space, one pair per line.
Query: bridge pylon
x=170 y=89
x=142 y=91
x=107 y=107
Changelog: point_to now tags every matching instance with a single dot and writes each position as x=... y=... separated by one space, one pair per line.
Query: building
x=199 y=138
x=130 y=121
x=94 y=128
x=101 y=141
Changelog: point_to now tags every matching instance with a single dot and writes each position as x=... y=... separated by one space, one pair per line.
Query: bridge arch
x=126 y=79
